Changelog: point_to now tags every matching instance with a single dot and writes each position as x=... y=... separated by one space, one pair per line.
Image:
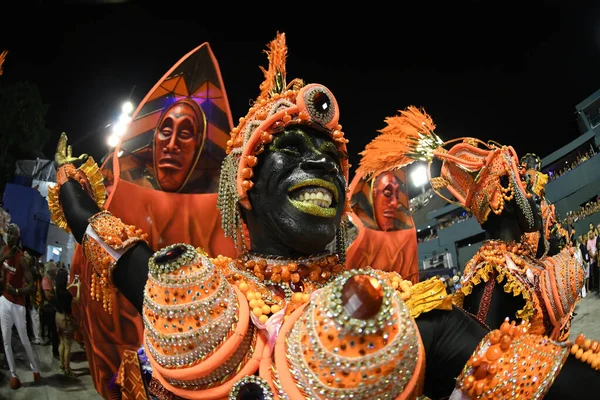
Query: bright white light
x=56 y=251
x=428 y=226
x=419 y=175
x=119 y=129
x=120 y=153
x=113 y=140
x=124 y=118
x=127 y=107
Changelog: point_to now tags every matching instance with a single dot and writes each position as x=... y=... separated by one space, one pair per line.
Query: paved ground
x=56 y=386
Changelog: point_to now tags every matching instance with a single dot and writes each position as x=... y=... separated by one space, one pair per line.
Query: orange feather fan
x=406 y=138
x=275 y=76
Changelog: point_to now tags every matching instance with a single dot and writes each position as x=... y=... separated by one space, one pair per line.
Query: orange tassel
x=400 y=142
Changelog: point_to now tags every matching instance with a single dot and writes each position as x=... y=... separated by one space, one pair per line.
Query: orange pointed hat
x=471 y=169
x=279 y=105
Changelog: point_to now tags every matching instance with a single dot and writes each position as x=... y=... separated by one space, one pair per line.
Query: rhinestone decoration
x=333 y=356
x=186 y=254
x=335 y=306
x=189 y=311
x=320 y=104
x=251 y=388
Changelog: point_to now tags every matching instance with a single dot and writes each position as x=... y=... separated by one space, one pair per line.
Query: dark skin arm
x=131 y=271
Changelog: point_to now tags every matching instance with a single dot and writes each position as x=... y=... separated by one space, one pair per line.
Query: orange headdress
x=278 y=106
x=471 y=169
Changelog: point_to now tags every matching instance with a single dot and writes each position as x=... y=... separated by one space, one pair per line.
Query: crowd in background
x=581 y=158
x=590 y=208
x=35 y=303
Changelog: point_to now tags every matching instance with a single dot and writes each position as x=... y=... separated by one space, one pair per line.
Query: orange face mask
x=178 y=140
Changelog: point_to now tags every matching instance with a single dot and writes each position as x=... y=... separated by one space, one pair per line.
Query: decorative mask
x=178 y=142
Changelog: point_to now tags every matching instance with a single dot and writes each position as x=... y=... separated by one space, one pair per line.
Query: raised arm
x=75 y=202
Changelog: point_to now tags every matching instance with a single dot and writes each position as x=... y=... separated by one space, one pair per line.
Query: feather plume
x=406 y=138
x=275 y=76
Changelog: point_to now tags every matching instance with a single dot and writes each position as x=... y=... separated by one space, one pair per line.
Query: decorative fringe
x=227 y=202
x=406 y=138
x=275 y=76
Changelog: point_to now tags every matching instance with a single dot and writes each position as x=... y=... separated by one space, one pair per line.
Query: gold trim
x=96 y=181
x=56 y=212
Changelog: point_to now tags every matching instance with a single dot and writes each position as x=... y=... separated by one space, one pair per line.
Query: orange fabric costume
x=186 y=215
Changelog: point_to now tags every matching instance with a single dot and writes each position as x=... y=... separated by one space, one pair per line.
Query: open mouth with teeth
x=314 y=196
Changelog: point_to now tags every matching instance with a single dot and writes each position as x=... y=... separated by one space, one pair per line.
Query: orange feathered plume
x=2 y=58
x=275 y=76
x=406 y=138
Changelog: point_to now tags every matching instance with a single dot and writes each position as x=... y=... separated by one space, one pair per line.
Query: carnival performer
x=168 y=169
x=486 y=180
x=285 y=319
x=386 y=237
x=552 y=238
x=540 y=280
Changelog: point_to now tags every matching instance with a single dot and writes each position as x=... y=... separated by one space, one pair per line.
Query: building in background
x=25 y=199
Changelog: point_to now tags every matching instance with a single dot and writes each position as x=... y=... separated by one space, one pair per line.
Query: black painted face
x=298 y=194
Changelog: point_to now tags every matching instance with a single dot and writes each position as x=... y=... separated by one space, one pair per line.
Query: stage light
x=113 y=140
x=419 y=175
x=119 y=128
x=127 y=108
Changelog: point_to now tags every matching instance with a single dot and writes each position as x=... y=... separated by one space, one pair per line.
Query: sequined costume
x=211 y=325
x=483 y=178
x=259 y=326
x=173 y=204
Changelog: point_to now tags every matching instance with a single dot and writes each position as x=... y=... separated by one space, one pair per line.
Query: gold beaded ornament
x=118 y=236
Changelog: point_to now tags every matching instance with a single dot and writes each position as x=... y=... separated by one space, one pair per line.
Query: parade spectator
x=18 y=283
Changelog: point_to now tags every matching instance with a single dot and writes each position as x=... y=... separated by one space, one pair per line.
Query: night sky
x=511 y=72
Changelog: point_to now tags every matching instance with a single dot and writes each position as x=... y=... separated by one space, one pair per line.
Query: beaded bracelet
x=117 y=236
x=91 y=180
